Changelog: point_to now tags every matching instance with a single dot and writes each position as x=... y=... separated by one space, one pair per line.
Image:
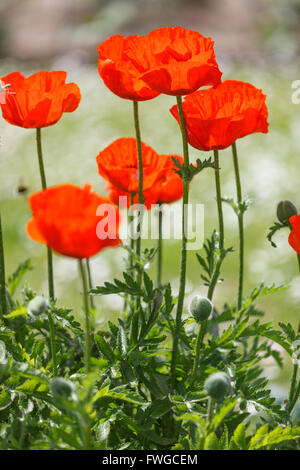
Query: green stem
x=159 y=246
x=213 y=283
x=294 y=389
x=221 y=227
x=210 y=409
x=185 y=200
x=140 y=189
x=2 y=275
x=44 y=186
x=52 y=343
x=130 y=221
x=199 y=344
x=87 y=316
x=241 y=225
x=90 y=280
x=219 y=199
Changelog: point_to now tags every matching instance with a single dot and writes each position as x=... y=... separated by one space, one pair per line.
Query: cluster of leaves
x=126 y=401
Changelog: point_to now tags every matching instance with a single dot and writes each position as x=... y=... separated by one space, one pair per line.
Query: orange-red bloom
x=114 y=193
x=121 y=74
x=294 y=237
x=171 y=187
x=39 y=100
x=118 y=164
x=65 y=218
x=167 y=190
x=217 y=117
x=172 y=60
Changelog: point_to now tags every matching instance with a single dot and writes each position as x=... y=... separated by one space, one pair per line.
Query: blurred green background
x=255 y=41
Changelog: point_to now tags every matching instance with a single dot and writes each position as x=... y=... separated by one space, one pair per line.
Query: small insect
x=22 y=189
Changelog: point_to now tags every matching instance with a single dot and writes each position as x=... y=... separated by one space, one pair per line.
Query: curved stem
x=90 y=280
x=219 y=199
x=159 y=246
x=294 y=389
x=130 y=234
x=210 y=409
x=241 y=225
x=131 y=221
x=213 y=283
x=221 y=227
x=2 y=275
x=185 y=200
x=140 y=189
x=87 y=316
x=199 y=344
x=53 y=344
x=44 y=186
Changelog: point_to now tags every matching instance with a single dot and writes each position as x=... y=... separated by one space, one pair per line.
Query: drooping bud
x=285 y=210
x=200 y=308
x=61 y=387
x=37 y=305
x=218 y=385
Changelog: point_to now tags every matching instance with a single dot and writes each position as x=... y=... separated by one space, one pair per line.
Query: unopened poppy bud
x=61 y=387
x=218 y=385
x=37 y=305
x=285 y=210
x=200 y=308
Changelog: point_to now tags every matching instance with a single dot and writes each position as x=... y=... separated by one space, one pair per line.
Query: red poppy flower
x=118 y=164
x=217 y=117
x=114 y=194
x=172 y=60
x=65 y=218
x=39 y=100
x=167 y=190
x=119 y=73
x=171 y=187
x=294 y=237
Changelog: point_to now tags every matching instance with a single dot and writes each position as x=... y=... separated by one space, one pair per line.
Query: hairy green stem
x=90 y=280
x=87 y=316
x=213 y=283
x=2 y=275
x=241 y=224
x=219 y=199
x=199 y=344
x=159 y=246
x=131 y=222
x=294 y=389
x=52 y=343
x=140 y=188
x=185 y=200
x=221 y=226
x=210 y=409
x=44 y=186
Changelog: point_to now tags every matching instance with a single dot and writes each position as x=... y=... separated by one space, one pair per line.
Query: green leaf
x=221 y=414
x=105 y=347
x=263 y=438
x=211 y=442
x=238 y=440
x=5 y=399
x=15 y=279
x=21 y=311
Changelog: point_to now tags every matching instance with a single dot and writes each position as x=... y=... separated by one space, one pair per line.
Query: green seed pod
x=38 y=305
x=61 y=387
x=200 y=308
x=218 y=385
x=285 y=210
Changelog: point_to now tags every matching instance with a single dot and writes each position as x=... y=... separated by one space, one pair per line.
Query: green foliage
x=126 y=401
